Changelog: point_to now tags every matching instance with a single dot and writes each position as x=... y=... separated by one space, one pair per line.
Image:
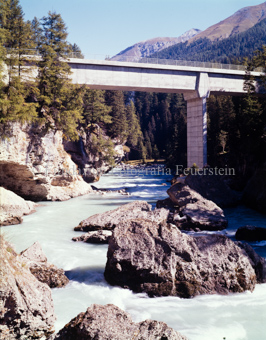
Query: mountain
x=151 y=46
x=239 y=22
x=227 y=50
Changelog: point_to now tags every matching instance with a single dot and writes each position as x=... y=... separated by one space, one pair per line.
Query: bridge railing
x=148 y=60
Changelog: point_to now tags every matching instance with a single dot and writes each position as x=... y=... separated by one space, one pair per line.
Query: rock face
x=161 y=260
x=13 y=207
x=91 y=166
x=213 y=188
x=41 y=269
x=34 y=165
x=254 y=195
x=200 y=212
x=251 y=233
x=98 y=236
x=110 y=322
x=26 y=306
x=108 y=220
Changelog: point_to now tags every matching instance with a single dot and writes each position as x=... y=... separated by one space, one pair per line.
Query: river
x=208 y=317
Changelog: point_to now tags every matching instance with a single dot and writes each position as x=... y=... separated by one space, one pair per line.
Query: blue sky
x=105 y=27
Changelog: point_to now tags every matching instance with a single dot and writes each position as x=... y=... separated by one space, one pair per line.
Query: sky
x=105 y=27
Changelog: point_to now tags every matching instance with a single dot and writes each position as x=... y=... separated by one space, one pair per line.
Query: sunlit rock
x=26 y=305
x=161 y=260
x=13 y=207
x=108 y=220
x=41 y=269
x=110 y=322
x=34 y=165
x=200 y=212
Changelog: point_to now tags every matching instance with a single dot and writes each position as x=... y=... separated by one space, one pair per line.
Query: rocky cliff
x=35 y=165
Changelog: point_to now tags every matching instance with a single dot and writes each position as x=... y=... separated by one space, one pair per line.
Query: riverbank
x=236 y=316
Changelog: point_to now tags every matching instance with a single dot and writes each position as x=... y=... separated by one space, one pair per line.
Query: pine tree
x=36 y=33
x=53 y=79
x=18 y=41
x=15 y=37
x=95 y=111
x=75 y=51
x=119 y=126
x=134 y=131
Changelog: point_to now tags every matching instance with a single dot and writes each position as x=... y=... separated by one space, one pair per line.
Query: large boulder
x=254 y=195
x=161 y=260
x=251 y=233
x=214 y=188
x=110 y=322
x=200 y=212
x=41 y=269
x=13 y=207
x=26 y=305
x=108 y=220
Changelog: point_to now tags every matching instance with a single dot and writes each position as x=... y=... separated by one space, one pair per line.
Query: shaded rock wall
x=254 y=195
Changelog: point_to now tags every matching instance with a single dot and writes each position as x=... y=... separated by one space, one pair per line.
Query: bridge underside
x=196 y=83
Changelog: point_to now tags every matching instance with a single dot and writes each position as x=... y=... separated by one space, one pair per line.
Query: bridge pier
x=197 y=132
x=197 y=121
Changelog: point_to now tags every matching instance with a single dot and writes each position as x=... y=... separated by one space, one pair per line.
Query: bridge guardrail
x=148 y=60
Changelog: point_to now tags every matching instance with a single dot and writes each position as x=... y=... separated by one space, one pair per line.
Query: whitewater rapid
x=209 y=317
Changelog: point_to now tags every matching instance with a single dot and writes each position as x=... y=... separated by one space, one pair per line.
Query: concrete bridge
x=195 y=82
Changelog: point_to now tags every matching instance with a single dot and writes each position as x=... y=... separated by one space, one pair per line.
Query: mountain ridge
x=147 y=47
x=239 y=22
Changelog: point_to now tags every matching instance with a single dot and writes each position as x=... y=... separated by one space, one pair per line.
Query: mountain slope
x=148 y=47
x=239 y=22
x=224 y=51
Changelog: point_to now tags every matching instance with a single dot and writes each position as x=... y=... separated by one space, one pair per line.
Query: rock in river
x=26 y=305
x=13 y=207
x=108 y=220
x=161 y=260
x=97 y=236
x=110 y=322
x=200 y=212
x=41 y=269
x=251 y=233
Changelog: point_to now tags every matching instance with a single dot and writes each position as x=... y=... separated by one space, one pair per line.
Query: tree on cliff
x=18 y=36
x=95 y=111
x=58 y=99
x=15 y=36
